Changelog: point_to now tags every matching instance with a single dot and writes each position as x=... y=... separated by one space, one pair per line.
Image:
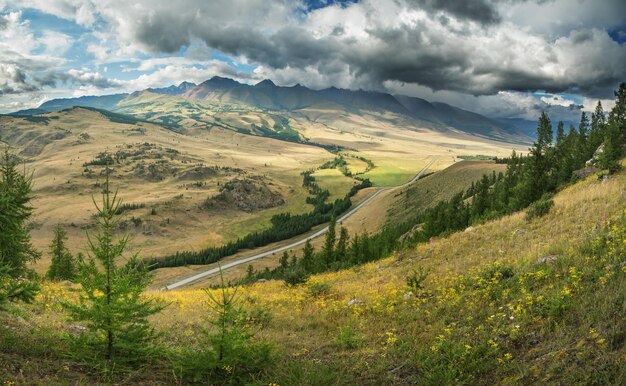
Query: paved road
x=248 y=259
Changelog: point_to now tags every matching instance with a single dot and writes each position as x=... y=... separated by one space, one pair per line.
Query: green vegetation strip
x=283 y=226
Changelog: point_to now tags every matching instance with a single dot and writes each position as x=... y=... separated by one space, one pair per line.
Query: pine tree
x=613 y=151
x=227 y=354
x=110 y=299
x=583 y=127
x=342 y=244
x=596 y=134
x=354 y=251
x=615 y=133
x=16 y=250
x=618 y=112
x=62 y=266
x=284 y=260
x=328 y=250
x=539 y=163
x=307 y=256
x=560 y=133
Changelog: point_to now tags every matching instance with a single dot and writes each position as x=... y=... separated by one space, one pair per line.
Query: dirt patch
x=247 y=194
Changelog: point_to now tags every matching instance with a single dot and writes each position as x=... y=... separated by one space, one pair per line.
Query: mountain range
x=267 y=96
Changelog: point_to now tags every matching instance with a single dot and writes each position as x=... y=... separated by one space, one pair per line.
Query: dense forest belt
x=322 y=231
x=283 y=226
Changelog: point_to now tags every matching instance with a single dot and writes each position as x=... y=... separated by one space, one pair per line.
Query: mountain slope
x=266 y=96
x=173 y=89
x=171 y=173
x=510 y=301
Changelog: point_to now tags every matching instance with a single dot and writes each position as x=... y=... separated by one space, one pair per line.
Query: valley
x=172 y=156
x=312 y=193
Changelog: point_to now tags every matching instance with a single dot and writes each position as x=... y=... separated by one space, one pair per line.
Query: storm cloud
x=470 y=47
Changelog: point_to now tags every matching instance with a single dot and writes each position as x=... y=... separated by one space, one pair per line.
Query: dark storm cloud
x=468 y=46
x=480 y=11
x=433 y=52
x=163 y=32
x=290 y=46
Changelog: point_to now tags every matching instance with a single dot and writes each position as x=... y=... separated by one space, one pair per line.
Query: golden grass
x=63 y=195
x=443 y=185
x=373 y=299
x=398 y=149
x=578 y=210
x=333 y=181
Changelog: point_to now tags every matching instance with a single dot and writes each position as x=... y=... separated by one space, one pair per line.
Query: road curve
x=320 y=232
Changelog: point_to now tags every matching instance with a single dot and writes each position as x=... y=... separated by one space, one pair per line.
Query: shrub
x=319 y=289
x=415 y=280
x=497 y=271
x=349 y=337
x=296 y=276
x=539 y=208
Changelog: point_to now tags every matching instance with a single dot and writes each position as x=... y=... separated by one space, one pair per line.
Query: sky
x=501 y=58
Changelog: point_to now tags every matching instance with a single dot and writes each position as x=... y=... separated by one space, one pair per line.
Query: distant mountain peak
x=173 y=89
x=265 y=83
x=217 y=78
x=220 y=82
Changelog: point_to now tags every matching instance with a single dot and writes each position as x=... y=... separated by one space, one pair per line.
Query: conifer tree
x=560 y=133
x=538 y=162
x=328 y=250
x=342 y=244
x=110 y=299
x=596 y=134
x=62 y=266
x=583 y=127
x=615 y=133
x=354 y=250
x=613 y=151
x=307 y=256
x=284 y=260
x=228 y=354
x=16 y=250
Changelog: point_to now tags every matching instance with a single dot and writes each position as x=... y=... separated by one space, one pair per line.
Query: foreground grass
x=509 y=302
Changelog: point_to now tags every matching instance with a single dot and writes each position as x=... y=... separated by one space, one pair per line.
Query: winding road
x=320 y=232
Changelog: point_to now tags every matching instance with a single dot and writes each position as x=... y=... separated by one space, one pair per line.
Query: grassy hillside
x=430 y=190
x=171 y=174
x=170 y=183
x=512 y=301
x=397 y=144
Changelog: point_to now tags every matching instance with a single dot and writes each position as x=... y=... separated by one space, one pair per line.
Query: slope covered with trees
x=528 y=182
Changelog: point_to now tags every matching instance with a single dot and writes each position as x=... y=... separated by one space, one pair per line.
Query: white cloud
x=174 y=74
x=557 y=100
x=408 y=45
x=55 y=43
x=79 y=11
